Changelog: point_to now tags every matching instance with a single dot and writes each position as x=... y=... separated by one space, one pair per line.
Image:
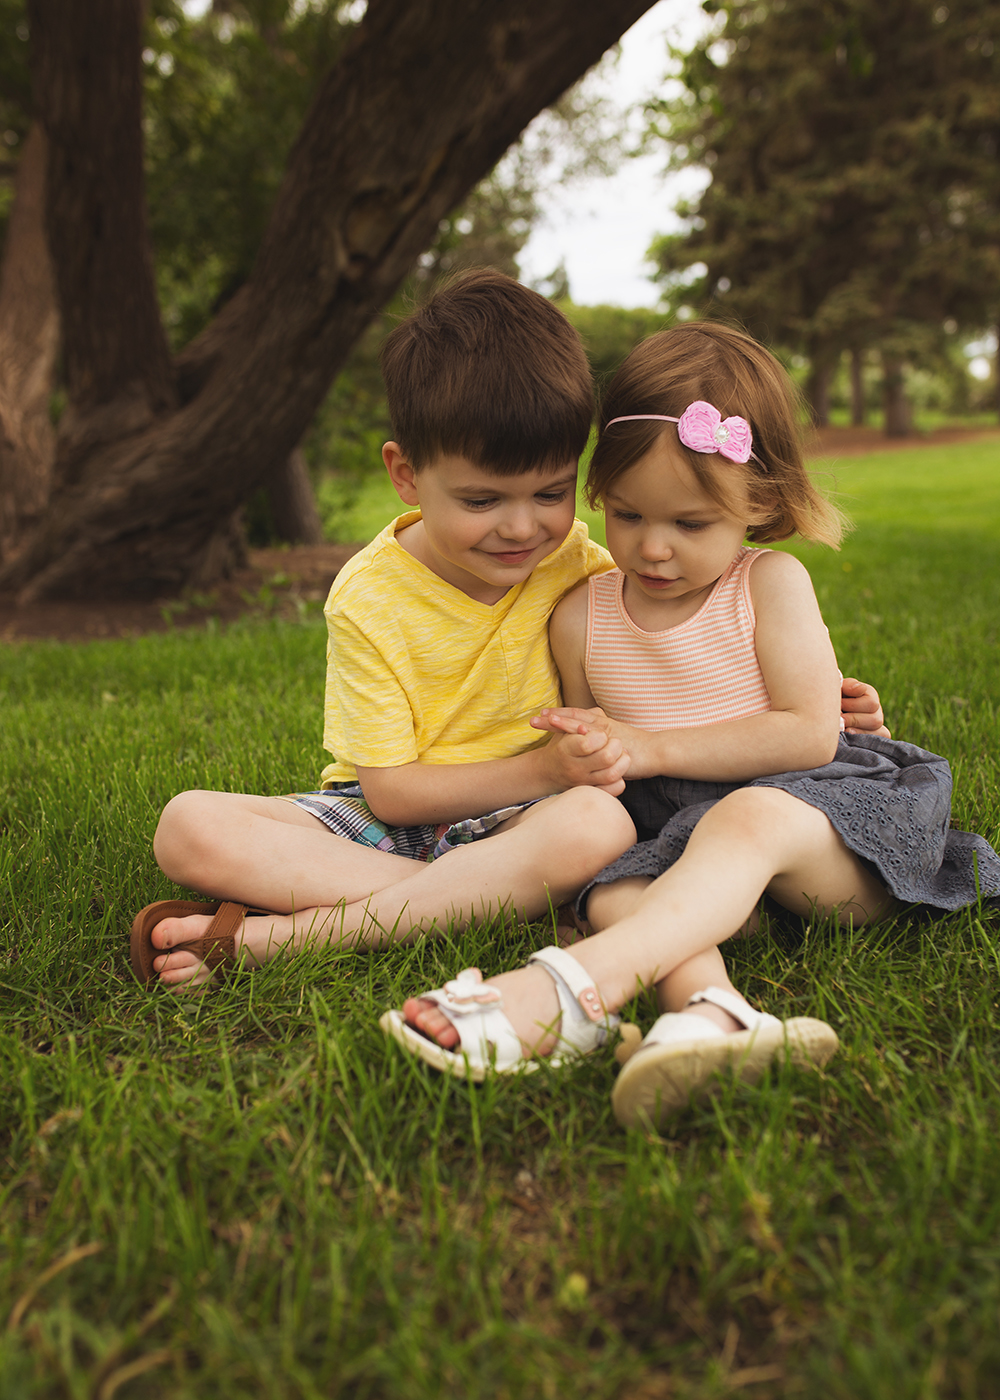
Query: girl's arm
x=568 y=640
x=801 y=729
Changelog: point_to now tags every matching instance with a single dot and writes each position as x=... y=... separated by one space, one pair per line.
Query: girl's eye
x=691 y=525
x=629 y=516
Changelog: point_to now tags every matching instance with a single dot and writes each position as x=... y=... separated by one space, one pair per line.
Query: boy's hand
x=579 y=755
x=862 y=710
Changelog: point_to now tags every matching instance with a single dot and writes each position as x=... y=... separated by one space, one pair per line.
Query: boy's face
x=480 y=532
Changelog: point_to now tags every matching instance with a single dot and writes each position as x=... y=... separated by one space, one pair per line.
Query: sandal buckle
x=590 y=1004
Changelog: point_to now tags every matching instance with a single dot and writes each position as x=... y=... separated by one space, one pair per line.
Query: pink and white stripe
x=703 y=671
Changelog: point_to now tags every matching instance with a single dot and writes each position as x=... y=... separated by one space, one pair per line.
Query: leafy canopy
x=854 y=182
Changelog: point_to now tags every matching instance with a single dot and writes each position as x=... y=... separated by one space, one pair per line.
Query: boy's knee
x=182 y=833
x=597 y=825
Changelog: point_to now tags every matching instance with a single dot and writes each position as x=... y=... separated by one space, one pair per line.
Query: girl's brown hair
x=716 y=363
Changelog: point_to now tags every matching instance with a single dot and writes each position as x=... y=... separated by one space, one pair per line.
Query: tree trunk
x=818 y=390
x=898 y=421
x=858 y=413
x=996 y=367
x=88 y=95
x=29 y=335
x=419 y=107
x=292 y=502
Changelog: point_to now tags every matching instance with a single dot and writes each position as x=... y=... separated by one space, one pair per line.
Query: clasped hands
x=587 y=748
x=594 y=750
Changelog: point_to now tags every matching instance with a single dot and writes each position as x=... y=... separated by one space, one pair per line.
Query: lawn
x=254 y=1194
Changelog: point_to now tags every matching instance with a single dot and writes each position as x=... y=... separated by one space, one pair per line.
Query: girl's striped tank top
x=702 y=671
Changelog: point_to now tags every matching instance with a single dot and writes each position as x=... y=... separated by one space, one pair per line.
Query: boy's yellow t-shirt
x=416 y=669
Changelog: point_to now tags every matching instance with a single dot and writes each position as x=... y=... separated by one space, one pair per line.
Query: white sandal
x=679 y=1056
x=488 y=1041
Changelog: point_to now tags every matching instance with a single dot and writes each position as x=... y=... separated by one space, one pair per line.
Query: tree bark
x=419 y=107
x=818 y=390
x=292 y=503
x=88 y=94
x=858 y=413
x=29 y=336
x=898 y=419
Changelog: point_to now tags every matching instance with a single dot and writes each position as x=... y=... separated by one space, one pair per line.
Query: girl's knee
x=759 y=813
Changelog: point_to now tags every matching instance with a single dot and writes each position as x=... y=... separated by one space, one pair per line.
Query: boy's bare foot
x=260 y=938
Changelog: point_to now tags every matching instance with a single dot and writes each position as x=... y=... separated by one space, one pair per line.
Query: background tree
x=28 y=315
x=224 y=97
x=854 y=200
x=156 y=453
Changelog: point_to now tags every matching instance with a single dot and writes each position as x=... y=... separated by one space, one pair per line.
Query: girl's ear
x=401 y=473
x=766 y=508
x=769 y=504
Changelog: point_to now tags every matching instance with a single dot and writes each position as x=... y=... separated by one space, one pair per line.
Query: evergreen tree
x=855 y=194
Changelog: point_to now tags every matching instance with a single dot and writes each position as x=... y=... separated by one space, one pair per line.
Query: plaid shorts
x=344 y=810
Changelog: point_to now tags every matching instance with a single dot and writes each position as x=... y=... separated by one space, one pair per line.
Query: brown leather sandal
x=217 y=948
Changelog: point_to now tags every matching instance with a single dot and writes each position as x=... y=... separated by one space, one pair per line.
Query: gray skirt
x=889 y=801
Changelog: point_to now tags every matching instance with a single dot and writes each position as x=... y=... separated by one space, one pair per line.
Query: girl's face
x=670 y=540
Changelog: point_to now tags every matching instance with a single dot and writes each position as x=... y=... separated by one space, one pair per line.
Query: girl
x=710 y=661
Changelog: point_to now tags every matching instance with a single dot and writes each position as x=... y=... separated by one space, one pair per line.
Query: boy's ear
x=401 y=474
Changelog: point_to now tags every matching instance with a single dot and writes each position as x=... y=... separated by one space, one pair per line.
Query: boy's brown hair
x=488 y=370
x=726 y=368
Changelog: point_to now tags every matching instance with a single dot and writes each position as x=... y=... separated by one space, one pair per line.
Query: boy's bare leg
x=265 y=851
x=542 y=856
x=755 y=839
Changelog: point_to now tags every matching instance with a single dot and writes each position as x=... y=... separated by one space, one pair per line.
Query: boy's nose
x=519 y=525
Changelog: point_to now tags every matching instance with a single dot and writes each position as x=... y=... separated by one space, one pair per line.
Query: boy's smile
x=668 y=537
x=481 y=532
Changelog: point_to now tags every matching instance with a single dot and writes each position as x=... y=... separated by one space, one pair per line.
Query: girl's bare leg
x=617 y=900
x=755 y=839
x=271 y=853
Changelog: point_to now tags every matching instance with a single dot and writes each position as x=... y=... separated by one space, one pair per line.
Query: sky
x=601 y=228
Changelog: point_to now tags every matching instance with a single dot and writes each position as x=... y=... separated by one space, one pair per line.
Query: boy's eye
x=550 y=498
x=481 y=503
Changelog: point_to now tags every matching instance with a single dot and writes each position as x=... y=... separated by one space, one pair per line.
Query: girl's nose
x=655 y=546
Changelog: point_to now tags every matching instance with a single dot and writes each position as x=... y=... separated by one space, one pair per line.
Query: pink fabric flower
x=702 y=428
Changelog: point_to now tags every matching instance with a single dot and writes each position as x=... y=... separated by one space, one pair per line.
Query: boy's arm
x=369 y=717
x=801 y=729
x=861 y=709
x=436 y=792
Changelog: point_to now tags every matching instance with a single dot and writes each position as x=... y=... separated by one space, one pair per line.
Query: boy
x=438 y=656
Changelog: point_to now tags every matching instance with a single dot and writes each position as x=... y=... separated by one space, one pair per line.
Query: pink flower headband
x=702 y=428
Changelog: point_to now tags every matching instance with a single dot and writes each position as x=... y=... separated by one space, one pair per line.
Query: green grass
x=255 y=1195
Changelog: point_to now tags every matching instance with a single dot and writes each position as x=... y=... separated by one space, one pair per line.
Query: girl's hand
x=639 y=746
x=861 y=709
x=585 y=757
